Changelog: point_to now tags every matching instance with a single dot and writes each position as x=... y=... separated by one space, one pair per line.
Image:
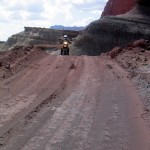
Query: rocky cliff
x=37 y=36
x=117 y=7
x=110 y=31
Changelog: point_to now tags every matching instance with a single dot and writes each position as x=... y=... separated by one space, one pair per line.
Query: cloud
x=45 y=13
x=6 y=31
x=34 y=16
x=83 y=22
x=16 y=15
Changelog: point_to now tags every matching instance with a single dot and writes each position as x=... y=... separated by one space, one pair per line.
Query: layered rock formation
x=111 y=31
x=37 y=36
x=117 y=7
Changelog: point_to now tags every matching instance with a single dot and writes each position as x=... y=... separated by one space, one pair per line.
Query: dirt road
x=71 y=103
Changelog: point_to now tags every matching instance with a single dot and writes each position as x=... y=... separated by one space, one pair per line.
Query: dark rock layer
x=143 y=2
x=104 y=34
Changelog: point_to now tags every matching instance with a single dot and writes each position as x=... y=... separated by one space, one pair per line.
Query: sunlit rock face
x=117 y=7
x=111 y=31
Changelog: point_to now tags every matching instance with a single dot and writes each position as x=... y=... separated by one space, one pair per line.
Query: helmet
x=65 y=36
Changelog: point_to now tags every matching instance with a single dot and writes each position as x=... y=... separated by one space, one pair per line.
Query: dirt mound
x=17 y=59
x=135 y=59
x=142 y=44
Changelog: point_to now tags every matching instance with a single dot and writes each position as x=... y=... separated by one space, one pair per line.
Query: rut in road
x=95 y=108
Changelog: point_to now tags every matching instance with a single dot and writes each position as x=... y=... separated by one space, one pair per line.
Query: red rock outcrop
x=117 y=7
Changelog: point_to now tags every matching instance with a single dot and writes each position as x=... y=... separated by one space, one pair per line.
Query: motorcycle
x=65 y=48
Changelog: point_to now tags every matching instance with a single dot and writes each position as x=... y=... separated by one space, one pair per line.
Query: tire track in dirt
x=77 y=71
x=95 y=107
x=24 y=101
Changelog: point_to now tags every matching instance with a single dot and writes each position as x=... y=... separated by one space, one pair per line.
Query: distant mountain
x=60 y=27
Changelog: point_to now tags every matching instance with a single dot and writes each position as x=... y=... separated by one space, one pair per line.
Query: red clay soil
x=71 y=103
x=135 y=59
x=18 y=58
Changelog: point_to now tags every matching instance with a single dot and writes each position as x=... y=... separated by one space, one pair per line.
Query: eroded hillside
x=37 y=36
x=110 y=31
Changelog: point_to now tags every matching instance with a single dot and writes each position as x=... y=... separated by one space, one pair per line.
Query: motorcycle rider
x=65 y=40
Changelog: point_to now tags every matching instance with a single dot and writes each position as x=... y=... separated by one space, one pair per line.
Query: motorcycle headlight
x=65 y=43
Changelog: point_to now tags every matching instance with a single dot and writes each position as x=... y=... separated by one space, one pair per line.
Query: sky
x=16 y=14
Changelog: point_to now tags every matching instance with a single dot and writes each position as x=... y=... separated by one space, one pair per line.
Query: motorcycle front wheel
x=64 y=51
